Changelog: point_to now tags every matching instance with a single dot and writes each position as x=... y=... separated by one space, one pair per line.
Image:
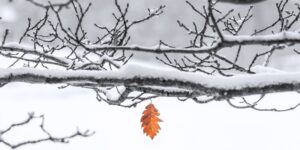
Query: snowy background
x=186 y=125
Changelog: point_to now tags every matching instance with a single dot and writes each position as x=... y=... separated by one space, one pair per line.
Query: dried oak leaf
x=150 y=121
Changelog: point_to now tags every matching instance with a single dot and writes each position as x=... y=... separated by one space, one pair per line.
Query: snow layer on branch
x=135 y=71
x=278 y=36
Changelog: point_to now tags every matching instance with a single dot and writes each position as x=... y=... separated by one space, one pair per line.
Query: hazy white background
x=187 y=125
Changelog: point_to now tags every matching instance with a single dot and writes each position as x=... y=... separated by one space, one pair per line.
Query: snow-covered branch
x=162 y=82
x=229 y=41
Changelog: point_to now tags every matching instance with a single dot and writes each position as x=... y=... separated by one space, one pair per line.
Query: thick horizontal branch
x=161 y=81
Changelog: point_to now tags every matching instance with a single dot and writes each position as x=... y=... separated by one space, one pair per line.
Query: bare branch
x=49 y=137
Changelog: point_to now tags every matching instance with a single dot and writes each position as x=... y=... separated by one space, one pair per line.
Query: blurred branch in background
x=59 y=6
x=204 y=71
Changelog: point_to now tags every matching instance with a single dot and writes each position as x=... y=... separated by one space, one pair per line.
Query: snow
x=263 y=78
x=263 y=69
x=18 y=45
x=113 y=94
x=287 y=35
x=105 y=40
x=153 y=10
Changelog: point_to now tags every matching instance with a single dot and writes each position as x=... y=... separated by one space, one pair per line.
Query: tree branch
x=49 y=137
x=161 y=82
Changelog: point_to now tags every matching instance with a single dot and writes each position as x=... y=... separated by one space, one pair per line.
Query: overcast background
x=186 y=125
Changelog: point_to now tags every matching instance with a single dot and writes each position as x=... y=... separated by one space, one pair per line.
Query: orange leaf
x=150 y=121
